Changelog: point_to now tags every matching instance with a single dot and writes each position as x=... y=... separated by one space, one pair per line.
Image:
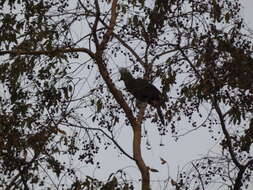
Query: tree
x=199 y=50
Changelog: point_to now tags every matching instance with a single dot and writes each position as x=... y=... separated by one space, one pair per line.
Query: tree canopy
x=61 y=99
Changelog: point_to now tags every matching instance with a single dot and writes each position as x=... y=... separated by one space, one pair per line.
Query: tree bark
x=138 y=158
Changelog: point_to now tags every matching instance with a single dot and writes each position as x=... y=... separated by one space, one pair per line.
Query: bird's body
x=144 y=91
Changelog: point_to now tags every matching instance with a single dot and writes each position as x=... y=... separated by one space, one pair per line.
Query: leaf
x=227 y=17
x=93 y=118
x=216 y=11
x=163 y=161
x=111 y=184
x=173 y=182
x=153 y=170
x=70 y=88
x=62 y=131
x=25 y=154
x=99 y=105
x=65 y=91
x=135 y=20
x=147 y=143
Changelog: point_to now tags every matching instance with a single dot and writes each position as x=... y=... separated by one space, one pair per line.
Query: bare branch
x=227 y=136
x=48 y=52
x=199 y=176
x=111 y=26
x=138 y=58
x=108 y=136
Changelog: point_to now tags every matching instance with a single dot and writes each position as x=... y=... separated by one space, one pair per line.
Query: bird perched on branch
x=144 y=91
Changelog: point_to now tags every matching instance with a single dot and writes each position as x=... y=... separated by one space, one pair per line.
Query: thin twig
x=199 y=176
x=108 y=136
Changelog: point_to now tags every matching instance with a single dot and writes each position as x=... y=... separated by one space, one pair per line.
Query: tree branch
x=48 y=52
x=199 y=176
x=111 y=26
x=227 y=136
x=131 y=50
x=138 y=58
x=238 y=181
x=220 y=115
x=100 y=130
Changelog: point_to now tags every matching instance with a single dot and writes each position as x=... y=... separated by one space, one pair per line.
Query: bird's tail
x=160 y=114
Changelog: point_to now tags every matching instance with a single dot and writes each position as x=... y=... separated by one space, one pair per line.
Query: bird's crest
x=125 y=74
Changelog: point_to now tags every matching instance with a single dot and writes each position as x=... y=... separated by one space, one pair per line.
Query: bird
x=144 y=91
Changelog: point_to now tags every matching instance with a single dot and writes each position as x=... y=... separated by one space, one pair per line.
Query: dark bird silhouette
x=144 y=91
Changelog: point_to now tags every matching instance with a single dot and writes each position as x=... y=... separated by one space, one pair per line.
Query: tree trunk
x=138 y=158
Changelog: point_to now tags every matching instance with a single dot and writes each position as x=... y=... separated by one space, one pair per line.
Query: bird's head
x=125 y=74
